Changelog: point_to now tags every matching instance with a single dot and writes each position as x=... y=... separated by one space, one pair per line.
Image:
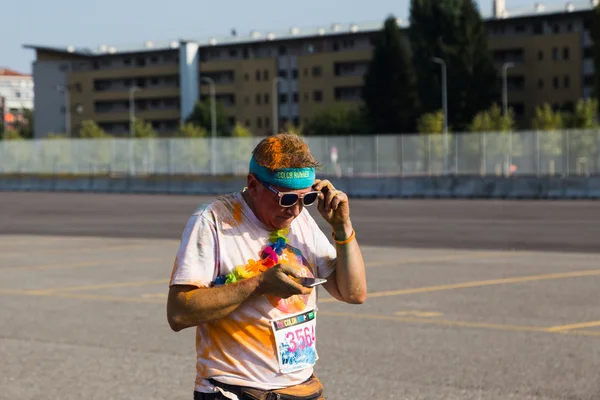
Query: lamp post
x=66 y=90
x=445 y=107
x=132 y=91
x=213 y=122
x=276 y=80
x=505 y=68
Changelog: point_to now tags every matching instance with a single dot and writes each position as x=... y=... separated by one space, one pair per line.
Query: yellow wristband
x=351 y=238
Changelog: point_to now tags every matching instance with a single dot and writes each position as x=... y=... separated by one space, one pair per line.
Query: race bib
x=295 y=338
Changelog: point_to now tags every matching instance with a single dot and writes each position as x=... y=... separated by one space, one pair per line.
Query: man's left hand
x=333 y=204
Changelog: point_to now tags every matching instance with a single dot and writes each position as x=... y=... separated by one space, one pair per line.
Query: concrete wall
x=440 y=187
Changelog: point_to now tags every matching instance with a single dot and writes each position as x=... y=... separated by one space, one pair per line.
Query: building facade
x=16 y=89
x=266 y=80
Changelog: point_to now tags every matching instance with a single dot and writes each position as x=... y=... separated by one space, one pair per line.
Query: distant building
x=550 y=46
x=17 y=89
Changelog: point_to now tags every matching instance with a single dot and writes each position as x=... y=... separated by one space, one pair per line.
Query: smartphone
x=311 y=282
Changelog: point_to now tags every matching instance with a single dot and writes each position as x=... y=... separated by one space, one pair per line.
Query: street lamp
x=276 y=80
x=505 y=68
x=213 y=121
x=132 y=90
x=65 y=89
x=445 y=107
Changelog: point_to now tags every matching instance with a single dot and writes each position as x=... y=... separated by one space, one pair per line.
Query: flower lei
x=269 y=258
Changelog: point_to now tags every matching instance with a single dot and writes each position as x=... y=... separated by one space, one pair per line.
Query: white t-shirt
x=240 y=349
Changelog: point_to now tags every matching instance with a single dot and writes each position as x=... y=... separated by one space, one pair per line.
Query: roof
x=302 y=33
x=12 y=73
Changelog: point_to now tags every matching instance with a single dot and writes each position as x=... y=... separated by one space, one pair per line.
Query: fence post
x=537 y=151
x=567 y=172
x=402 y=155
x=455 y=154
x=483 y=155
x=377 y=155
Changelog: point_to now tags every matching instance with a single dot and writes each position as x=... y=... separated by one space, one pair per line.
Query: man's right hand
x=277 y=281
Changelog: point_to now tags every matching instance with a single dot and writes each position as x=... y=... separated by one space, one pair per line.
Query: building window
x=588 y=80
x=259 y=122
x=258 y=75
x=267 y=122
x=317 y=72
x=248 y=123
x=258 y=98
x=567 y=81
x=266 y=98
x=295 y=98
x=556 y=28
x=540 y=83
x=588 y=53
x=294 y=74
x=570 y=27
x=520 y=28
x=540 y=55
x=283 y=98
x=232 y=52
x=296 y=121
x=282 y=50
x=265 y=75
x=566 y=53
x=283 y=74
x=555 y=54
x=317 y=96
x=555 y=82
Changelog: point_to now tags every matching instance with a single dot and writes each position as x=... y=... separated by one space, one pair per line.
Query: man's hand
x=277 y=281
x=333 y=205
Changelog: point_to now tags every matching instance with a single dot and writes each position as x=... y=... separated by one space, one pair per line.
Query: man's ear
x=252 y=185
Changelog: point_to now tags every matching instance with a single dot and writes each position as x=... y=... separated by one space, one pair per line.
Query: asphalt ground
x=83 y=283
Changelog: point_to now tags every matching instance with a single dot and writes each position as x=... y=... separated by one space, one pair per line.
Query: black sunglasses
x=290 y=199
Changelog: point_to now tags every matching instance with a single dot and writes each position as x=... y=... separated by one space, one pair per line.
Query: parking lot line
x=98 y=287
x=98 y=263
x=474 y=284
x=562 y=328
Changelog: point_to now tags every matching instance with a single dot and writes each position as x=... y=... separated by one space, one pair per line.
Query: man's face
x=267 y=208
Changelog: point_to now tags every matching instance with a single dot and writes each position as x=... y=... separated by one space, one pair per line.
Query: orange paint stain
x=237 y=212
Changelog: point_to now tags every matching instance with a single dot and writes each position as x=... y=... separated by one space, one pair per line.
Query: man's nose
x=295 y=210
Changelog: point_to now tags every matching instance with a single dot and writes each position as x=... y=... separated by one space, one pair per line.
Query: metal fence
x=518 y=153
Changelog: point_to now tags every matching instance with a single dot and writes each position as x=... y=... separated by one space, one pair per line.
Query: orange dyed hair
x=284 y=150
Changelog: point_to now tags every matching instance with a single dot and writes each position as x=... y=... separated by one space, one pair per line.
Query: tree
x=546 y=119
x=143 y=129
x=189 y=130
x=431 y=122
x=585 y=115
x=454 y=31
x=240 y=131
x=583 y=144
x=11 y=134
x=338 y=119
x=91 y=130
x=389 y=91
x=595 y=33
x=493 y=120
x=201 y=116
x=24 y=124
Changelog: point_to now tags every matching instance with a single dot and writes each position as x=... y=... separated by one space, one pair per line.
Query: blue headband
x=291 y=178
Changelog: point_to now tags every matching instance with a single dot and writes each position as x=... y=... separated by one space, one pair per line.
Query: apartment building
x=292 y=75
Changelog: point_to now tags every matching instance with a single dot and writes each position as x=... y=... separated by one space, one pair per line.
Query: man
x=237 y=275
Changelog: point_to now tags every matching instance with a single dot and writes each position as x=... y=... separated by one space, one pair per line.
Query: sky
x=126 y=22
